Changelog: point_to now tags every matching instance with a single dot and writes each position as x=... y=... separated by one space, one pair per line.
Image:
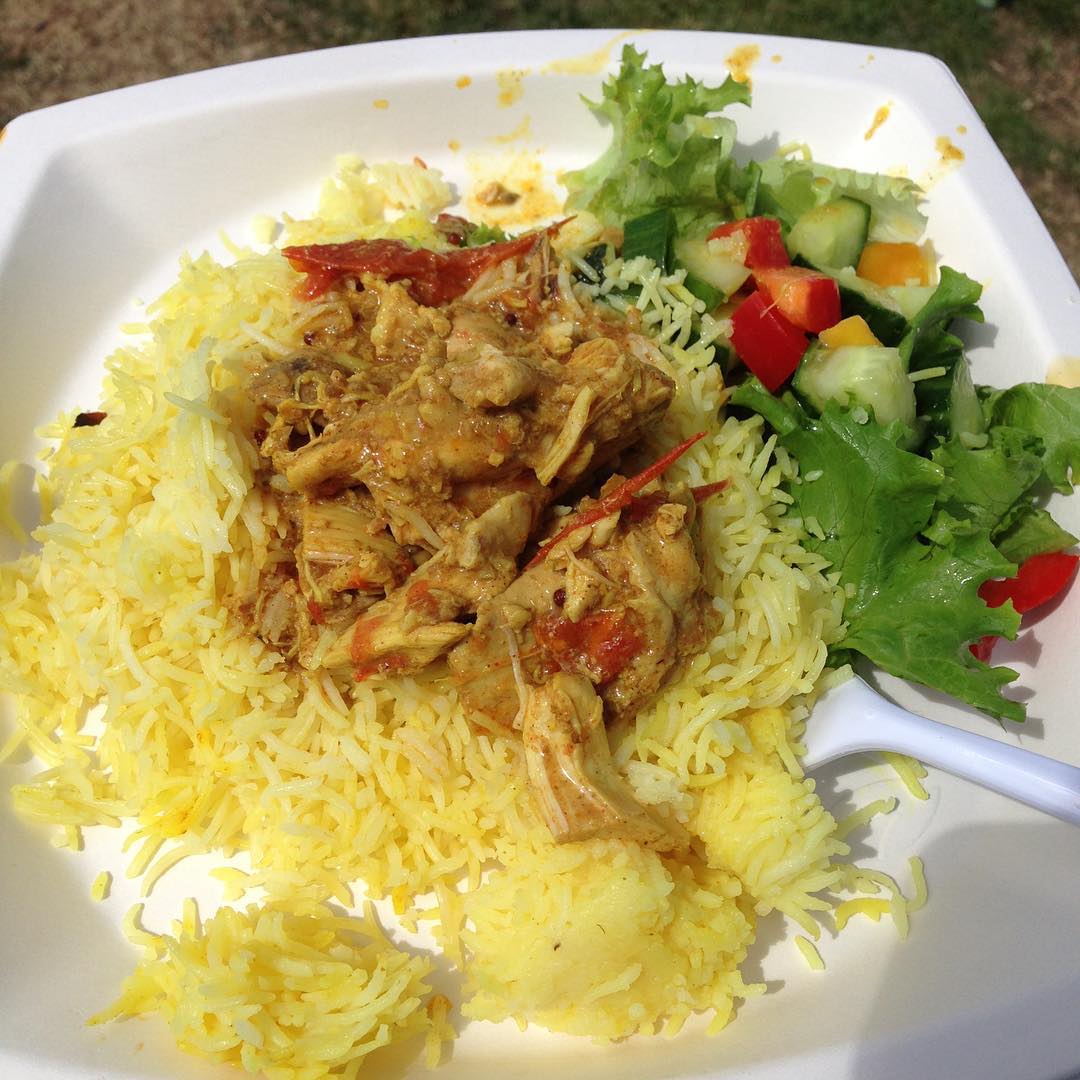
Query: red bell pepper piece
x=1039 y=579
x=808 y=299
x=767 y=343
x=618 y=499
x=765 y=246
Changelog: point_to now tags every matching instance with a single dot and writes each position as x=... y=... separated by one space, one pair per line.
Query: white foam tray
x=98 y=199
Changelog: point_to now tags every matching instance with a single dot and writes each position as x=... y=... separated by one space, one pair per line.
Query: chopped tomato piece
x=765 y=246
x=893 y=264
x=601 y=643
x=1039 y=579
x=808 y=299
x=767 y=343
x=435 y=277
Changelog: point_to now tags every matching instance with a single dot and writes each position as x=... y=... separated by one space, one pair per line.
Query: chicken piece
x=274 y=615
x=577 y=790
x=594 y=628
x=405 y=334
x=416 y=623
x=294 y=400
x=490 y=418
x=619 y=602
x=493 y=379
x=344 y=544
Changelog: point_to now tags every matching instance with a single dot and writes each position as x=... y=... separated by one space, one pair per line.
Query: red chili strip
x=618 y=499
x=703 y=491
x=435 y=277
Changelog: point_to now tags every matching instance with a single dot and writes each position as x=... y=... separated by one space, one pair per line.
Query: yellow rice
x=208 y=742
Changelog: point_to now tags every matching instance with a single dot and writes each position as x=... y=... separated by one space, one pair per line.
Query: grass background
x=1018 y=62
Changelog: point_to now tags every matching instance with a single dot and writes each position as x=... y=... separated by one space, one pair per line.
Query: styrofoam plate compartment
x=100 y=197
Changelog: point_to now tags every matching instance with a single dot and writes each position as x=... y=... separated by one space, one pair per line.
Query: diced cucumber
x=650 y=235
x=869 y=375
x=832 y=235
x=950 y=404
x=878 y=307
x=713 y=297
x=910 y=299
x=709 y=266
x=880 y=310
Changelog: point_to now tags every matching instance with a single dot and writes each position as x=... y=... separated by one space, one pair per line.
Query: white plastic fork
x=853 y=717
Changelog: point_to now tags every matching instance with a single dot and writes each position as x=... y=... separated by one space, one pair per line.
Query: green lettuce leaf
x=1050 y=412
x=927 y=341
x=913 y=605
x=791 y=186
x=1032 y=531
x=981 y=487
x=667 y=149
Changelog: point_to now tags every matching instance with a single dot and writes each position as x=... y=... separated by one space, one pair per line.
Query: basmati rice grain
x=810 y=953
x=910 y=771
x=99 y=889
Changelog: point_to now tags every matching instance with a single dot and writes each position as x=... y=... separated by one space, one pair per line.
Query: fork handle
x=1044 y=783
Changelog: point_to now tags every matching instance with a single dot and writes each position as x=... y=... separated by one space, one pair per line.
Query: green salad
x=923 y=489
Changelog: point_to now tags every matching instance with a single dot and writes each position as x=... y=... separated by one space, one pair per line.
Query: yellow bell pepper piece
x=893 y=264
x=850 y=331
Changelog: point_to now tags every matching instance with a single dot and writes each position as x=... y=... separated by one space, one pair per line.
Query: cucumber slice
x=831 y=235
x=950 y=404
x=878 y=307
x=709 y=266
x=880 y=310
x=650 y=235
x=910 y=299
x=713 y=297
x=869 y=375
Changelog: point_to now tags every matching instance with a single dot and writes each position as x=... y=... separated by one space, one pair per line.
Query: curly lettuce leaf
x=1050 y=412
x=667 y=149
x=927 y=338
x=913 y=605
x=791 y=186
x=981 y=487
x=1032 y=531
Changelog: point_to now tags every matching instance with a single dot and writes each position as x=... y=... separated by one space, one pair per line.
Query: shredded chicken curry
x=415 y=453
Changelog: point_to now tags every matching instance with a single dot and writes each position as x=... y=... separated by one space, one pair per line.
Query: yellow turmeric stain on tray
x=520 y=132
x=526 y=197
x=463 y=81
x=961 y=129
x=1064 y=371
x=741 y=60
x=879 y=118
x=454 y=145
x=381 y=103
x=776 y=58
x=592 y=63
x=949 y=151
x=950 y=156
x=510 y=85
